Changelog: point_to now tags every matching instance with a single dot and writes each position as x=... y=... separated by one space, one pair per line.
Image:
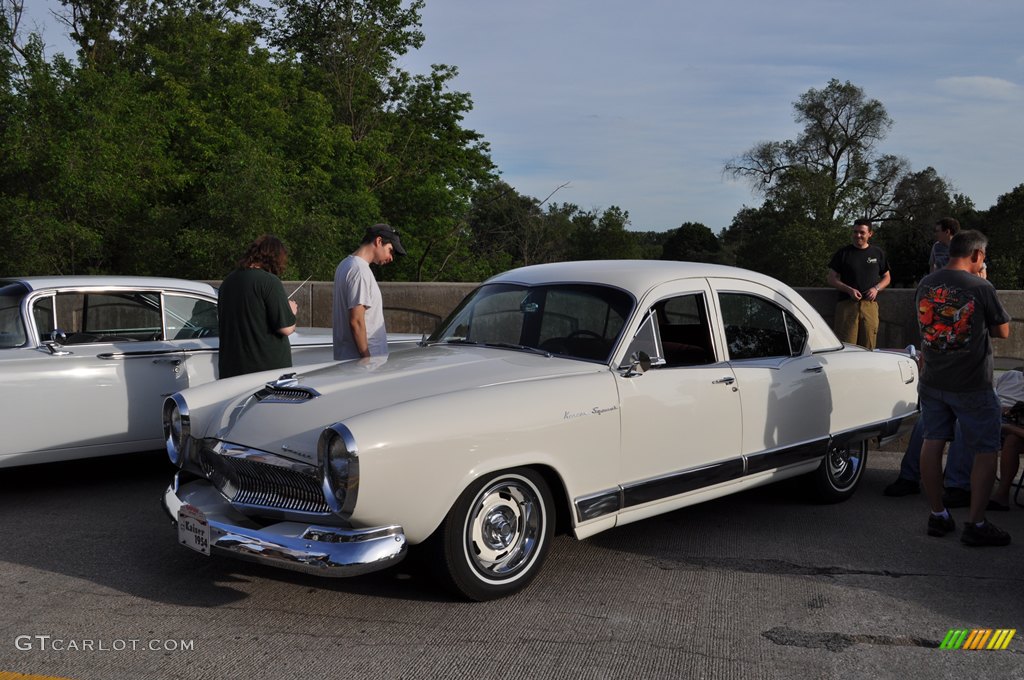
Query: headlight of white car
x=177 y=429
x=337 y=450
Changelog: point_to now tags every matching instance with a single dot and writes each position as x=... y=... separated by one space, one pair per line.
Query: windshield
x=573 y=320
x=12 y=327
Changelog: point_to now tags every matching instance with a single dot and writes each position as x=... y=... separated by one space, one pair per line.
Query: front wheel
x=840 y=471
x=495 y=538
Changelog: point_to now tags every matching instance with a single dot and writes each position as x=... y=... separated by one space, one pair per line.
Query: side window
x=758 y=328
x=108 y=317
x=646 y=340
x=188 y=317
x=685 y=331
x=42 y=316
x=12 y=330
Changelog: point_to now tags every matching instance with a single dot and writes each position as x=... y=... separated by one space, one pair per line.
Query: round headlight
x=340 y=458
x=176 y=429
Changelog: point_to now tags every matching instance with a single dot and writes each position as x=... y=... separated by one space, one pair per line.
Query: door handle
x=814 y=369
x=172 y=362
x=727 y=380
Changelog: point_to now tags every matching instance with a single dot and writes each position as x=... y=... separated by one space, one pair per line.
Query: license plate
x=193 y=529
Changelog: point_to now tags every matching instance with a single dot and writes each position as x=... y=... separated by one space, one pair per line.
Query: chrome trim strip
x=311 y=549
x=799 y=453
x=598 y=504
x=142 y=353
x=684 y=481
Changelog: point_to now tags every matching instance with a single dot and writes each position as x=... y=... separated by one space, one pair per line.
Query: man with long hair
x=255 y=315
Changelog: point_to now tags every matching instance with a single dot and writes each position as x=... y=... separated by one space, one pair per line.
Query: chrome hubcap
x=844 y=464
x=503 y=527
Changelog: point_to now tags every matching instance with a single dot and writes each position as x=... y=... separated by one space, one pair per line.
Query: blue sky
x=641 y=104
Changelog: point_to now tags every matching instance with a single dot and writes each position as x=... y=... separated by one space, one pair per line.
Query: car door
x=783 y=387
x=680 y=419
x=190 y=325
x=99 y=390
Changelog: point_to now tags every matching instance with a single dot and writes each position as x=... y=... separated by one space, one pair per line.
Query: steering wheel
x=583 y=332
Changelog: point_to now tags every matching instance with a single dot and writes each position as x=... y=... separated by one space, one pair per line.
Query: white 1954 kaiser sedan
x=573 y=396
x=86 y=361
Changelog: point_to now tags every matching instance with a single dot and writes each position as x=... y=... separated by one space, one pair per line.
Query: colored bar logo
x=978 y=638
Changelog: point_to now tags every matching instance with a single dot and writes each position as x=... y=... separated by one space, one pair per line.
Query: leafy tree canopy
x=186 y=128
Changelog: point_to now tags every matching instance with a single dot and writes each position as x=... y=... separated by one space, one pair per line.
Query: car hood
x=343 y=390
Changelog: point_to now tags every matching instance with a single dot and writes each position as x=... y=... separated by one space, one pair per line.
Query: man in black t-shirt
x=859 y=272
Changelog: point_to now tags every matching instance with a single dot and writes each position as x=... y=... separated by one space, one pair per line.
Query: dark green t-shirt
x=251 y=307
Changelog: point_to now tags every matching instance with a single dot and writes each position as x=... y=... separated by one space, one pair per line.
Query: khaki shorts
x=857 y=322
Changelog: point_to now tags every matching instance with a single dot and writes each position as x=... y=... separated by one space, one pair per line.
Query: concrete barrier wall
x=419 y=307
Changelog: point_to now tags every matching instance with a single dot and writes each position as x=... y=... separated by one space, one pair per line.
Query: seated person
x=1009 y=464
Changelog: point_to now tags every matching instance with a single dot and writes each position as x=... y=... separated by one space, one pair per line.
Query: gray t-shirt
x=354 y=285
x=954 y=312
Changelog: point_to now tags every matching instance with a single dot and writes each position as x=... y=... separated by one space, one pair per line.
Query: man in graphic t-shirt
x=957 y=313
x=859 y=272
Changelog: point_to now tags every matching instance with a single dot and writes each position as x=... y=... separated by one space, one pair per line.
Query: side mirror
x=639 y=363
x=58 y=336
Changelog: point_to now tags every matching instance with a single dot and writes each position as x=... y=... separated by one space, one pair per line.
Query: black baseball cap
x=388 y=234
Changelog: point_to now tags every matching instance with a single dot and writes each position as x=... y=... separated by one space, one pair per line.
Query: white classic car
x=573 y=397
x=86 y=361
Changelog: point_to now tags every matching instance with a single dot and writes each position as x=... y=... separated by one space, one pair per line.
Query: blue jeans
x=958 y=460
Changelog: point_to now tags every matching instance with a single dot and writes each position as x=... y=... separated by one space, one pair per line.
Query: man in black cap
x=358 y=311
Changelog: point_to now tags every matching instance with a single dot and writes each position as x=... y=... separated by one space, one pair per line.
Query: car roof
x=636 y=276
x=37 y=283
x=640 y=276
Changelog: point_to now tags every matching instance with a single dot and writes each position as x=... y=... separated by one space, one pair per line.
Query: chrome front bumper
x=308 y=548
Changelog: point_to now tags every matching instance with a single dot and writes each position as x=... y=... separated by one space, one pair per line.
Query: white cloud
x=982 y=87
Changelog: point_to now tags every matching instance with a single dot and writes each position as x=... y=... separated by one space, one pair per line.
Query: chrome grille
x=251 y=482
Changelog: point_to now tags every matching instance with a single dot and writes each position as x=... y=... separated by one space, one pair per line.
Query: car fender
x=416 y=457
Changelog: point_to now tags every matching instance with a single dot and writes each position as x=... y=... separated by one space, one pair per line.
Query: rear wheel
x=840 y=471
x=496 y=536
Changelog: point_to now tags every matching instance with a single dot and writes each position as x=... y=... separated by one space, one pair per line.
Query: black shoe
x=986 y=534
x=956 y=498
x=902 y=487
x=940 y=526
x=997 y=506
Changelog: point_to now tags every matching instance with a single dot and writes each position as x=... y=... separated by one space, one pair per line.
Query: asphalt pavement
x=757 y=585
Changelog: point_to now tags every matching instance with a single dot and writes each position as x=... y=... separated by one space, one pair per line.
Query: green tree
x=921 y=198
x=832 y=170
x=421 y=165
x=1004 y=226
x=692 y=241
x=188 y=127
x=779 y=242
x=602 y=237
